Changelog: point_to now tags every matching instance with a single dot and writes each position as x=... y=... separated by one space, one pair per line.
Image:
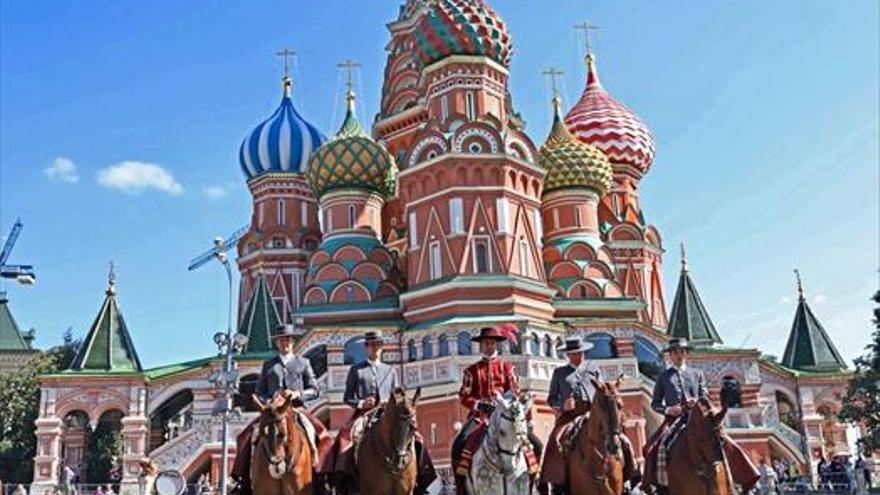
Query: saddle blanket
x=474 y=442
x=666 y=444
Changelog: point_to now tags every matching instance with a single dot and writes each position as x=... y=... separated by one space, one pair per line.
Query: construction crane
x=220 y=245
x=24 y=274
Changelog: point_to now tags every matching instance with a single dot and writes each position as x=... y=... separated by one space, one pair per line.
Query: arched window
x=535 y=345
x=354 y=351
x=603 y=346
x=317 y=356
x=481 y=256
x=649 y=358
x=247 y=387
x=412 y=350
x=548 y=346
x=515 y=346
x=443 y=344
x=788 y=413
x=730 y=392
x=463 y=343
x=427 y=347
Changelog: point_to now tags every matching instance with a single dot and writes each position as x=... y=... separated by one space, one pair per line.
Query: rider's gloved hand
x=485 y=407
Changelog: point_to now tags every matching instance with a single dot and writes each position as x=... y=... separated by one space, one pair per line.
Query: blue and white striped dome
x=282 y=143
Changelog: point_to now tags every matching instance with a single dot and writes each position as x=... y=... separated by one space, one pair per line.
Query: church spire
x=809 y=347
x=108 y=347
x=689 y=318
x=260 y=318
x=286 y=82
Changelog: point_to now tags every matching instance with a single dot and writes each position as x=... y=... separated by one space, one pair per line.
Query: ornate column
x=135 y=431
x=47 y=461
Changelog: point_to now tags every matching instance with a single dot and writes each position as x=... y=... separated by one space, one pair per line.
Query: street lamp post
x=226 y=381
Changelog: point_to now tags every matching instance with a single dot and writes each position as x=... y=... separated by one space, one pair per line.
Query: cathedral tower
x=469 y=185
x=284 y=225
x=636 y=247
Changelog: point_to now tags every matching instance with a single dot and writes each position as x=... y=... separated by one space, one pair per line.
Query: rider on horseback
x=481 y=382
x=292 y=376
x=368 y=386
x=676 y=391
x=570 y=394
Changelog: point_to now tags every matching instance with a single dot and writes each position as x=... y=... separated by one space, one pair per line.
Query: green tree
x=105 y=449
x=861 y=405
x=19 y=408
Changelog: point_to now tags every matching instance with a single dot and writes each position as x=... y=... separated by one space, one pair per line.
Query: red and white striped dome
x=598 y=119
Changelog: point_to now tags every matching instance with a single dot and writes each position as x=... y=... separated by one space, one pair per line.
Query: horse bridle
x=399 y=458
x=270 y=441
x=612 y=431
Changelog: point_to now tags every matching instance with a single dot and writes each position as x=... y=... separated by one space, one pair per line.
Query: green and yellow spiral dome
x=570 y=163
x=352 y=160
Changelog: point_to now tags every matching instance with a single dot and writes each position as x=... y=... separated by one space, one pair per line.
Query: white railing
x=533 y=371
x=180 y=452
x=765 y=416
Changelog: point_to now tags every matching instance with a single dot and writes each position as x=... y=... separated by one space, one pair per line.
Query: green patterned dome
x=352 y=160
x=572 y=163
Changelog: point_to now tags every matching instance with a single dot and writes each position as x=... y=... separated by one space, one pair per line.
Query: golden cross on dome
x=586 y=26
x=553 y=73
x=349 y=66
x=288 y=54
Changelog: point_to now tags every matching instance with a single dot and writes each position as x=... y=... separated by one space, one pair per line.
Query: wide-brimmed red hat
x=489 y=333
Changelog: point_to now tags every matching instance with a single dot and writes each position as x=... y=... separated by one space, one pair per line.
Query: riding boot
x=460 y=488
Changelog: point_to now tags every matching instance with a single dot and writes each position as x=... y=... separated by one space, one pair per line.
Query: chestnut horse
x=595 y=463
x=386 y=456
x=696 y=464
x=281 y=457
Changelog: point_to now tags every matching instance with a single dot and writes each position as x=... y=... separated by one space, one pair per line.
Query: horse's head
x=705 y=429
x=400 y=412
x=605 y=413
x=275 y=432
x=507 y=424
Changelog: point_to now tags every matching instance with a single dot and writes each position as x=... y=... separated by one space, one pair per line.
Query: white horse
x=499 y=467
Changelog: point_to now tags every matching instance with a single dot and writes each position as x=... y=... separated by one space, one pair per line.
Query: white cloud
x=63 y=170
x=135 y=176
x=785 y=300
x=214 y=192
x=819 y=298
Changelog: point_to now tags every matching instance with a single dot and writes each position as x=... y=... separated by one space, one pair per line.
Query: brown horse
x=386 y=456
x=697 y=465
x=595 y=463
x=281 y=462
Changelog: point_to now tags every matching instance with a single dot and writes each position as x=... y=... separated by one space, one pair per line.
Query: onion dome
x=600 y=120
x=352 y=160
x=282 y=143
x=462 y=27
x=572 y=163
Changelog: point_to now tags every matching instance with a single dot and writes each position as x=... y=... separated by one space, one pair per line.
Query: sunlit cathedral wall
x=443 y=218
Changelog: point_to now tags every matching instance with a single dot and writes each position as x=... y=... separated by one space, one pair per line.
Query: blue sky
x=764 y=112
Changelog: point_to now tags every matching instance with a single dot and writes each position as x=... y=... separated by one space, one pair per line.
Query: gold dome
x=570 y=163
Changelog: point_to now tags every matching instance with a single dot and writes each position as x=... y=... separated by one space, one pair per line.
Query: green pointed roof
x=11 y=338
x=108 y=346
x=260 y=319
x=809 y=347
x=689 y=318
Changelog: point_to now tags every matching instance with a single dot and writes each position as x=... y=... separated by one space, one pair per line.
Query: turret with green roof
x=108 y=347
x=809 y=347
x=689 y=318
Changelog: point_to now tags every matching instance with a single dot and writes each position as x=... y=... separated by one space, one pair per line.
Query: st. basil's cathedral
x=443 y=218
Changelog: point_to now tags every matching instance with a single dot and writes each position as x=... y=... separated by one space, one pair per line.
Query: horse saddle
x=309 y=429
x=568 y=437
x=675 y=432
x=360 y=427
